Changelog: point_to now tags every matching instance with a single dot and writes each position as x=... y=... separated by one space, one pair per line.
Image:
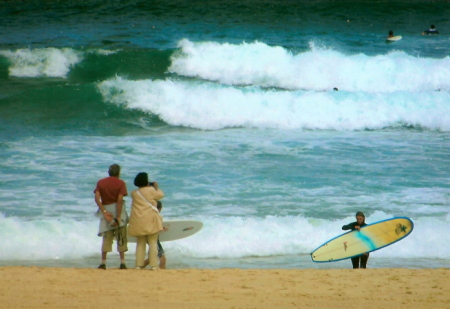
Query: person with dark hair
x=161 y=253
x=359 y=261
x=390 y=34
x=109 y=194
x=432 y=30
x=145 y=221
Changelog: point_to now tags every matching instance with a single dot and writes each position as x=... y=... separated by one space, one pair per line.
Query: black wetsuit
x=431 y=31
x=359 y=261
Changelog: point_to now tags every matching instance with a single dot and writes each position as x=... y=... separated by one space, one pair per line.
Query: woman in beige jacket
x=145 y=221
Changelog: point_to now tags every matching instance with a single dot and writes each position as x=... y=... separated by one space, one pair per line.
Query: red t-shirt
x=110 y=188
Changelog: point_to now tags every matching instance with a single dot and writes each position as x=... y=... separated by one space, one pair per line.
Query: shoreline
x=51 y=287
x=178 y=262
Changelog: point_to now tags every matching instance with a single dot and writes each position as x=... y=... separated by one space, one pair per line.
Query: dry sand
x=47 y=287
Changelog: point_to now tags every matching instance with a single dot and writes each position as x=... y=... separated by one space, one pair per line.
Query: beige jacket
x=144 y=220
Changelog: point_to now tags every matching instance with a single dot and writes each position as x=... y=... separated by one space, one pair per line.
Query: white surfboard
x=395 y=38
x=176 y=229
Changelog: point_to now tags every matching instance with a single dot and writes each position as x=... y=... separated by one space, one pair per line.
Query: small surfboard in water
x=394 y=38
x=176 y=229
x=369 y=238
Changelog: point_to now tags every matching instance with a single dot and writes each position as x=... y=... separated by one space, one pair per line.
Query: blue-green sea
x=272 y=122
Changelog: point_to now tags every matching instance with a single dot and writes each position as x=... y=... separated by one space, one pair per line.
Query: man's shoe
x=122 y=266
x=102 y=266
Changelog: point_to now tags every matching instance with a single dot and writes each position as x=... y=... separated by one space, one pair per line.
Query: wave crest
x=42 y=62
x=315 y=69
x=211 y=106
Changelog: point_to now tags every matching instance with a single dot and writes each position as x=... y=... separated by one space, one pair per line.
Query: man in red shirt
x=109 y=194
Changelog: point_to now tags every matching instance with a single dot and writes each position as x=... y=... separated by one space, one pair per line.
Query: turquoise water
x=231 y=108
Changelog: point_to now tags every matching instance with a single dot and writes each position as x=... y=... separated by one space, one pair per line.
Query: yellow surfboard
x=369 y=238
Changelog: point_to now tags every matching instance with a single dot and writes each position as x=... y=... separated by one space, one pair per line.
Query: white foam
x=235 y=237
x=105 y=52
x=221 y=237
x=42 y=62
x=212 y=106
x=316 y=69
x=47 y=239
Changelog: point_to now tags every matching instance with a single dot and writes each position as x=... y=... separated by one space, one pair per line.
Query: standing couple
x=145 y=222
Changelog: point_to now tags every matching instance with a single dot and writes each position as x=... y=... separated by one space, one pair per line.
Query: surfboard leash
x=120 y=239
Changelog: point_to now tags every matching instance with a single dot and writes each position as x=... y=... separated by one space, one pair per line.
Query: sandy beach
x=47 y=287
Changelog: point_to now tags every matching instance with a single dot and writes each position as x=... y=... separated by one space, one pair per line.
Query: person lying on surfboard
x=432 y=30
x=361 y=260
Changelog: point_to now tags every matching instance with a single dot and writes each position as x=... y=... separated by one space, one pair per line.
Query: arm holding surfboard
x=352 y=226
x=358 y=261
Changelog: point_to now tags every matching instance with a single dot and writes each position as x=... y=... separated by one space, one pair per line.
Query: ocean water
x=230 y=107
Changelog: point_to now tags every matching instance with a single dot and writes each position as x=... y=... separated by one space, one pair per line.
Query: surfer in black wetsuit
x=432 y=30
x=359 y=261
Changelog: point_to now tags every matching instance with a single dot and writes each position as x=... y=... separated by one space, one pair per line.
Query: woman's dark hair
x=141 y=180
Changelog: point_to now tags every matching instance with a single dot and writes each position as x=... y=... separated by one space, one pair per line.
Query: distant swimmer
x=392 y=37
x=432 y=30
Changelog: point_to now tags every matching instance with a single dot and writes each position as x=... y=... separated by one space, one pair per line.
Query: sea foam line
x=315 y=69
x=46 y=62
x=221 y=237
x=212 y=106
